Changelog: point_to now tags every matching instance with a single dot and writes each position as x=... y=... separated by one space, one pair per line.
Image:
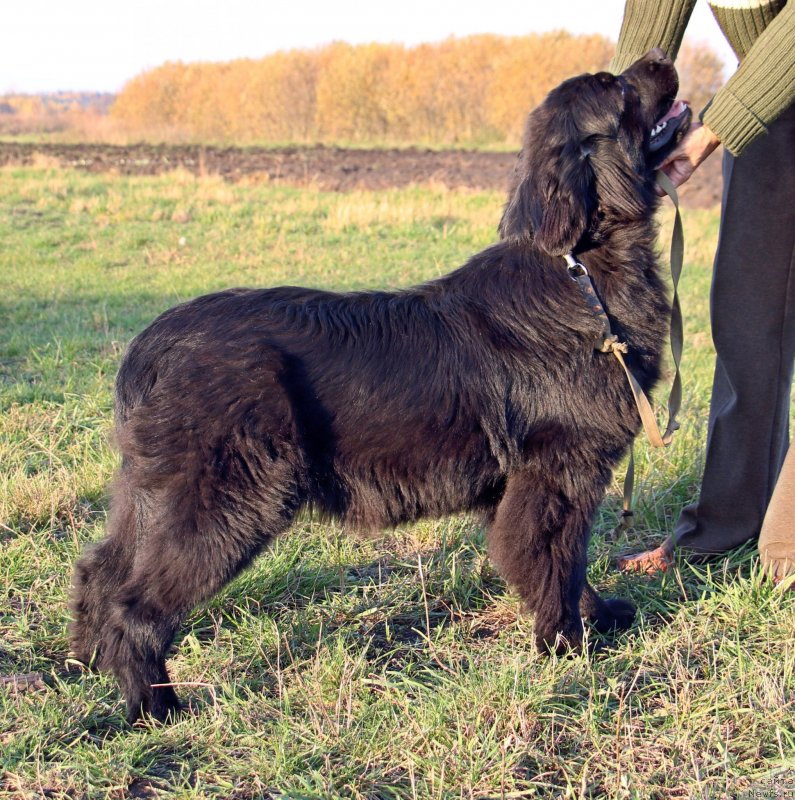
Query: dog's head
x=590 y=151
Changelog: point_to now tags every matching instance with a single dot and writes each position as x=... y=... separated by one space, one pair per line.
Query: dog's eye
x=626 y=88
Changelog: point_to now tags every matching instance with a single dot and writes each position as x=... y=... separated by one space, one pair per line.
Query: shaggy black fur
x=480 y=391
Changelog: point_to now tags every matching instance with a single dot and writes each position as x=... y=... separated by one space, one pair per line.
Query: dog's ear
x=553 y=198
x=619 y=185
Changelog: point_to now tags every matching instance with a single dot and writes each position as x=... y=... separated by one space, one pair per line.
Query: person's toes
x=778 y=562
x=782 y=573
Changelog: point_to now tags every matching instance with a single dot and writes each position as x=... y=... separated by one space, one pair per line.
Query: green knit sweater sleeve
x=649 y=24
x=762 y=87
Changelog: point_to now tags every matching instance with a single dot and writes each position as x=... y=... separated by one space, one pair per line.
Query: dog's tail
x=101 y=571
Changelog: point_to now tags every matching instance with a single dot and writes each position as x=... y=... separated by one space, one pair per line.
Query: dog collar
x=579 y=274
x=608 y=343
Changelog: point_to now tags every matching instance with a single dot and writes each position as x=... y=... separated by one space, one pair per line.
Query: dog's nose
x=658 y=56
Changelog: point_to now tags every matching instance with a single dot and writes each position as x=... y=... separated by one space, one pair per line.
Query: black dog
x=480 y=391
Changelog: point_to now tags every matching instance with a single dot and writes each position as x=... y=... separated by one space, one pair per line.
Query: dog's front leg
x=538 y=540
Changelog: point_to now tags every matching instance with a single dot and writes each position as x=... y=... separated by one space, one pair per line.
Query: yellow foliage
x=527 y=70
x=473 y=90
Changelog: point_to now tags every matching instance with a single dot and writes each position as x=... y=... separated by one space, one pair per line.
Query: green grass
x=335 y=667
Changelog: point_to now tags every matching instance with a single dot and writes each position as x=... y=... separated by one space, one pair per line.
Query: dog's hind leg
x=538 y=540
x=195 y=545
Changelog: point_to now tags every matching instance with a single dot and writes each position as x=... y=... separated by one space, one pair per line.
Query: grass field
x=339 y=668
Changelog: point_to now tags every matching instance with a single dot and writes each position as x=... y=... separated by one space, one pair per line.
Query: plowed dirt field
x=328 y=168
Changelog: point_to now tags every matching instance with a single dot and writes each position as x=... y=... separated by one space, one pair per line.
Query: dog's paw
x=560 y=643
x=162 y=705
x=613 y=614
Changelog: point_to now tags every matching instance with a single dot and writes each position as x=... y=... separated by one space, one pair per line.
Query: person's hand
x=683 y=161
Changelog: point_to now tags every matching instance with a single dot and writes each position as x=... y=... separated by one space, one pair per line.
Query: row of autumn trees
x=473 y=90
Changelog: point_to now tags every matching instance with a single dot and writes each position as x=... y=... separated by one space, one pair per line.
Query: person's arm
x=762 y=87
x=662 y=24
x=648 y=24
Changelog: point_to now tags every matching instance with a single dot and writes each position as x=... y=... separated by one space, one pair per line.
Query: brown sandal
x=649 y=562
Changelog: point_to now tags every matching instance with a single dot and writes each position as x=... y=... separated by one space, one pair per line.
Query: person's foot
x=779 y=565
x=650 y=561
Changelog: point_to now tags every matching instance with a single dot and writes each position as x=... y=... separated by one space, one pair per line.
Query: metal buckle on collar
x=575 y=268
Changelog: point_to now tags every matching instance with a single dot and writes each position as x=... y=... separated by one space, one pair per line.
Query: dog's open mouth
x=671 y=127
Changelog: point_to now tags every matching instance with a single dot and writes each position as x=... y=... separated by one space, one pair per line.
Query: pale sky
x=98 y=45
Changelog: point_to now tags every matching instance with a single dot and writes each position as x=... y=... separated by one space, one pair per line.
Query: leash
x=608 y=343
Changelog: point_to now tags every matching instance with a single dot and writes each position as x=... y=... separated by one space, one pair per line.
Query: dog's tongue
x=676 y=109
x=668 y=126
